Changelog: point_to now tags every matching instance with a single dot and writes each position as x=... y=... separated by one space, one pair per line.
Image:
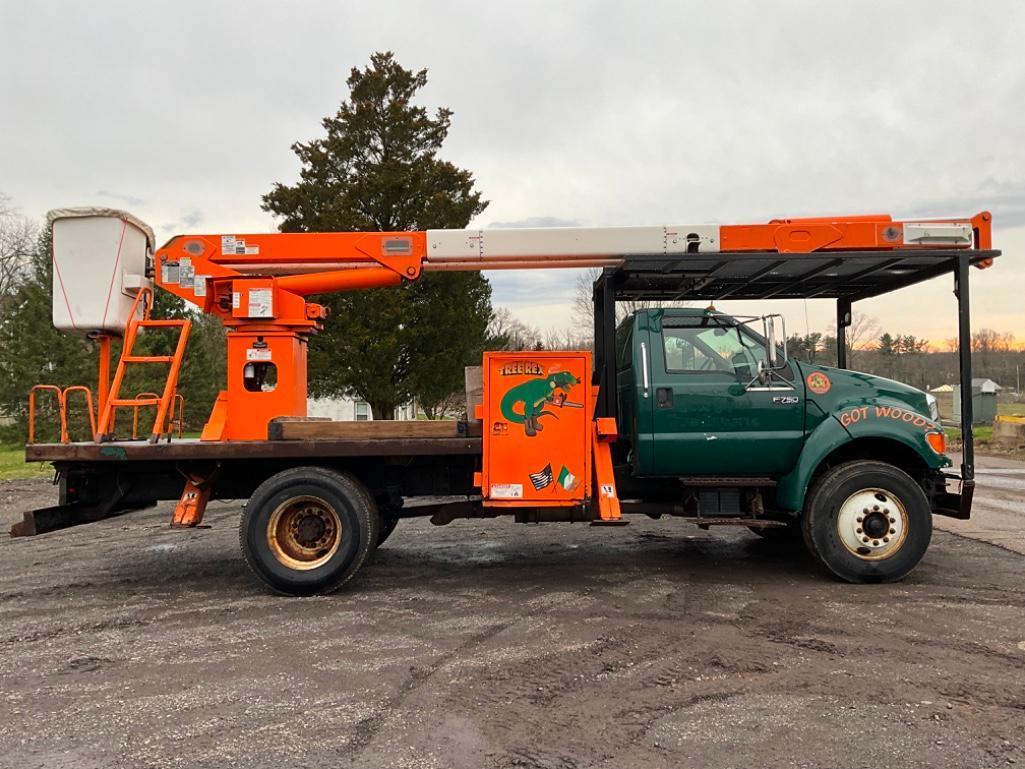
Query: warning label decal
x=260 y=303
x=232 y=246
x=507 y=491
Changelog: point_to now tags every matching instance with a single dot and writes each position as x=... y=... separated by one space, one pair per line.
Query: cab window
x=624 y=340
x=703 y=345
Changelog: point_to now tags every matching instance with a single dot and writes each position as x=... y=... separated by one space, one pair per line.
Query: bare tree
x=555 y=339
x=987 y=340
x=860 y=335
x=17 y=238
x=583 y=304
x=507 y=332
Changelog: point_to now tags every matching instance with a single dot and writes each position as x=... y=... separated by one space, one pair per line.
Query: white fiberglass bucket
x=99 y=265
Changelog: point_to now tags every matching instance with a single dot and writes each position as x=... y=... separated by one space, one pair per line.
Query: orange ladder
x=163 y=402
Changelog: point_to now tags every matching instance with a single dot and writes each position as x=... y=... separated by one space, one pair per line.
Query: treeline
x=916 y=361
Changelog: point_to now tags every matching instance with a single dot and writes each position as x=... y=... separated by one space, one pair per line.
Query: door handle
x=664 y=397
x=645 y=376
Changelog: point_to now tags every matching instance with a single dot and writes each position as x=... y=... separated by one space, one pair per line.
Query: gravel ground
x=998 y=514
x=491 y=644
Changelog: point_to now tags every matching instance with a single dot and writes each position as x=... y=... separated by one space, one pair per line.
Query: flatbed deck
x=193 y=449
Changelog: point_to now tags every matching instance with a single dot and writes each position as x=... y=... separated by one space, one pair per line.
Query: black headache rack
x=846 y=276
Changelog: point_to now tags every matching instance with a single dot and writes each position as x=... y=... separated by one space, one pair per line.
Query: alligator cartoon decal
x=525 y=403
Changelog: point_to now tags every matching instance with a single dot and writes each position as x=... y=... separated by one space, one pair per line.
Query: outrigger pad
x=64 y=516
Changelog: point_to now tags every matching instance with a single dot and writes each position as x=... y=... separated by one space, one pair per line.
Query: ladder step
x=165 y=404
x=160 y=323
x=147 y=358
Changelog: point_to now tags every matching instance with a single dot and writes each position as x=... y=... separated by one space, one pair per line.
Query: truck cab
x=714 y=415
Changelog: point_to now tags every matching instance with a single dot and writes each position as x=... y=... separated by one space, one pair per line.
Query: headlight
x=934 y=409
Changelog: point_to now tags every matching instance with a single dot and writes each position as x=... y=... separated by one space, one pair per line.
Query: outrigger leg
x=188 y=513
x=604 y=434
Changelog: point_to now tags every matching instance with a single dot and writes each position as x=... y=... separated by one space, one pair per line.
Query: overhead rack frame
x=844 y=276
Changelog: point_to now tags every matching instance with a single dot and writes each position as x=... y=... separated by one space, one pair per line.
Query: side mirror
x=770 y=341
x=775 y=331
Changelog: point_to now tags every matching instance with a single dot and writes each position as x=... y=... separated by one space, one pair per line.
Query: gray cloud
x=188 y=222
x=535 y=221
x=130 y=200
x=1005 y=200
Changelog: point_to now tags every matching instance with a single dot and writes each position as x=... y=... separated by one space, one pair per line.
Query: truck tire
x=867 y=521
x=308 y=530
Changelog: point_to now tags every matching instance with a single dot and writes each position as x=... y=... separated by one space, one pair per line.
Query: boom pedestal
x=266 y=380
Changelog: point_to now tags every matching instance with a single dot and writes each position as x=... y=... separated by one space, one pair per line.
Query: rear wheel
x=308 y=530
x=867 y=522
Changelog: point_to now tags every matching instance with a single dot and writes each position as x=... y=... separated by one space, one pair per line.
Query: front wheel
x=308 y=530
x=867 y=522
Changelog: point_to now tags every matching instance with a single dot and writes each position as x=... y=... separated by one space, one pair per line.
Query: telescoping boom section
x=258 y=283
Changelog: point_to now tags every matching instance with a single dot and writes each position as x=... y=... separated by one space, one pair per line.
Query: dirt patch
x=125 y=643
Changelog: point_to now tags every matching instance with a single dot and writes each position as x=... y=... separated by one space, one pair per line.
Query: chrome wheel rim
x=872 y=524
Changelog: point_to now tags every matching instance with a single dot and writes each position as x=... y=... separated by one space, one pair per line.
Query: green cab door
x=707 y=412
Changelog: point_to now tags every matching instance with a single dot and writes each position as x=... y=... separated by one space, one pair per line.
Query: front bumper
x=953 y=504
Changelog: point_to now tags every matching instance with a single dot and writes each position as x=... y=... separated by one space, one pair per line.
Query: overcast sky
x=601 y=113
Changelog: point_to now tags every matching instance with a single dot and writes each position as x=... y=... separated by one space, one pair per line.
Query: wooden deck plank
x=297 y=430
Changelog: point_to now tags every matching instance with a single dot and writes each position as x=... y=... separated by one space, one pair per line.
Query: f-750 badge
x=785 y=400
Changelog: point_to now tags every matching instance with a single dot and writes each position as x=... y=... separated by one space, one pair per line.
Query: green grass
x=981 y=433
x=1011 y=409
x=14 y=467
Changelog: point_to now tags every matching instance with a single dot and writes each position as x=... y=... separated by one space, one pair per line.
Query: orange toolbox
x=537 y=427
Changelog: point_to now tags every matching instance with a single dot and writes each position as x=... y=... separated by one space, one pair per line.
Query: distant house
x=986 y=386
x=944 y=395
x=348 y=409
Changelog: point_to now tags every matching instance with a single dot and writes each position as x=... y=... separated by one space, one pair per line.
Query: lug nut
x=859 y=531
x=864 y=539
x=886 y=539
x=893 y=520
x=893 y=531
x=875 y=542
x=860 y=519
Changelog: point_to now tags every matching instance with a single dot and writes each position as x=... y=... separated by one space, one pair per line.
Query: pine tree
x=888 y=345
x=377 y=168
